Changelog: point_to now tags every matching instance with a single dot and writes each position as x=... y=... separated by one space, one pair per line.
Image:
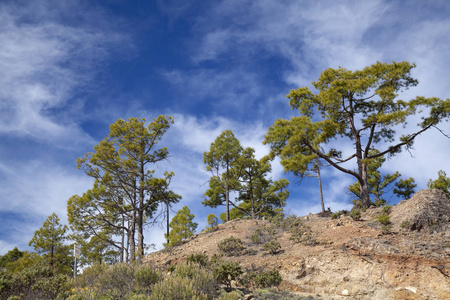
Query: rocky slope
x=343 y=258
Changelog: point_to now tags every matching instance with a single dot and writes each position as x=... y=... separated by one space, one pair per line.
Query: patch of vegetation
x=263 y=234
x=386 y=209
x=231 y=246
x=267 y=279
x=386 y=229
x=199 y=258
x=250 y=251
x=273 y=246
x=202 y=278
x=120 y=281
x=233 y=295
x=227 y=271
x=35 y=282
x=336 y=215
x=175 y=287
x=384 y=219
x=213 y=223
x=355 y=214
x=274 y=294
x=405 y=224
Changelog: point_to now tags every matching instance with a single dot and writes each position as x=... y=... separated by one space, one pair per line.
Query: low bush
x=273 y=246
x=405 y=224
x=35 y=282
x=231 y=246
x=203 y=279
x=145 y=277
x=355 y=214
x=263 y=235
x=386 y=209
x=386 y=229
x=267 y=279
x=274 y=294
x=336 y=215
x=250 y=251
x=227 y=271
x=384 y=219
x=199 y=258
x=120 y=281
x=176 y=288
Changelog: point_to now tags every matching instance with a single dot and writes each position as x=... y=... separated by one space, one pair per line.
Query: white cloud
x=42 y=61
x=40 y=188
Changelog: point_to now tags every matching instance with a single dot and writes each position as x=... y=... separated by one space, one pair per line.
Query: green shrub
x=231 y=246
x=117 y=281
x=336 y=215
x=256 y=238
x=202 y=278
x=283 y=222
x=176 y=288
x=302 y=234
x=386 y=209
x=267 y=279
x=262 y=235
x=297 y=234
x=308 y=239
x=405 y=224
x=35 y=282
x=227 y=271
x=145 y=277
x=385 y=229
x=277 y=219
x=274 y=294
x=384 y=219
x=250 y=251
x=273 y=246
x=120 y=281
x=234 y=295
x=355 y=214
x=199 y=258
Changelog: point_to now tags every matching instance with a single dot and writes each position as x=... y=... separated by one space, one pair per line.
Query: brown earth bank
x=343 y=258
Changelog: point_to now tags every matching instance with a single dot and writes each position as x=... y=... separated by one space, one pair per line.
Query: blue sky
x=68 y=69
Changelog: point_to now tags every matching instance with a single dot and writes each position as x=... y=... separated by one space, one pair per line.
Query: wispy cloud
x=42 y=62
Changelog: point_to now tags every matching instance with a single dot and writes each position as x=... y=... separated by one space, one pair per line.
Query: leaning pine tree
x=359 y=109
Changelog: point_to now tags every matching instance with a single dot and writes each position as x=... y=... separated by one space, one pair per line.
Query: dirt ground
x=339 y=258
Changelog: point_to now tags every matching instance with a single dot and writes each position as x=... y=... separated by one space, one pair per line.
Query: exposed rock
x=427 y=210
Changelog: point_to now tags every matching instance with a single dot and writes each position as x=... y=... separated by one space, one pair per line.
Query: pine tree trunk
x=122 y=241
x=252 y=198
x=227 y=195
x=364 y=186
x=131 y=232
x=140 y=221
x=320 y=185
x=167 y=222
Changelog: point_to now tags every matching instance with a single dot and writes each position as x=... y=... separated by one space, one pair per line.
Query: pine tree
x=48 y=241
x=359 y=109
x=223 y=152
x=181 y=226
x=442 y=182
x=127 y=156
x=404 y=188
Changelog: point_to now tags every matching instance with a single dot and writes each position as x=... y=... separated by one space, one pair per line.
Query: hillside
x=342 y=258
